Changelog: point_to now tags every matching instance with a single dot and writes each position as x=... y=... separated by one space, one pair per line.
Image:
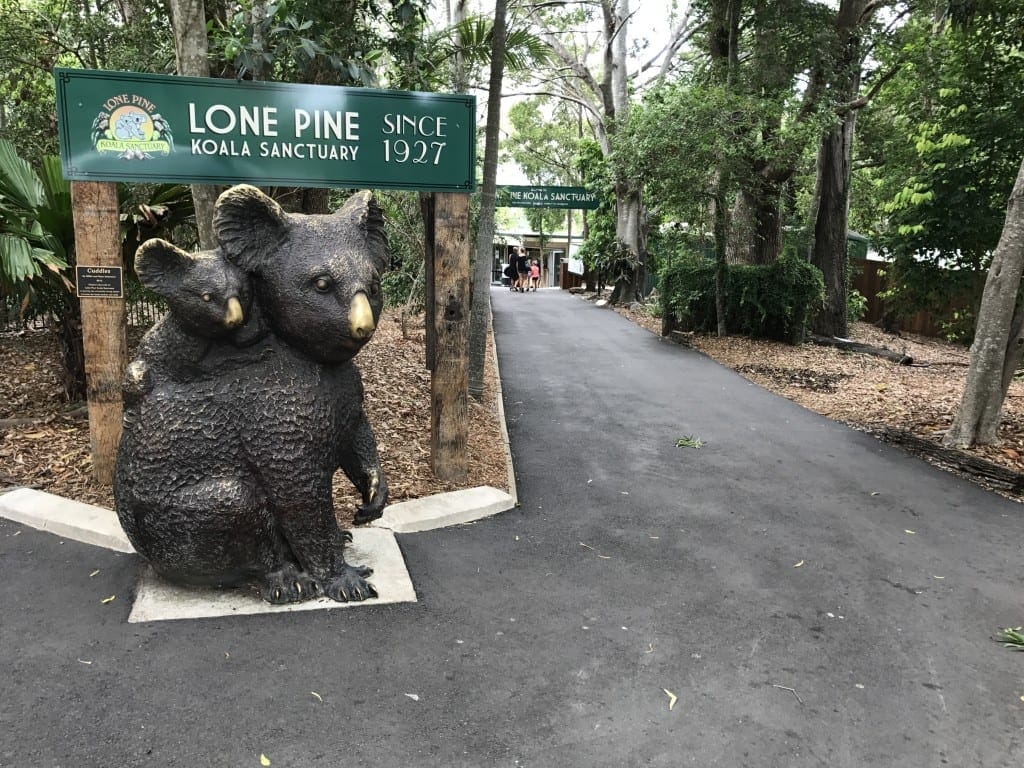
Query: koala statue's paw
x=375 y=497
x=351 y=584
x=289 y=585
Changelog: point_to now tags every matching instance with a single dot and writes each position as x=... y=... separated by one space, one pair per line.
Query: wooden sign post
x=449 y=381
x=98 y=253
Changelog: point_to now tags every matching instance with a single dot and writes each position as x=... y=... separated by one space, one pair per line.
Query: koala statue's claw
x=289 y=585
x=350 y=585
x=375 y=497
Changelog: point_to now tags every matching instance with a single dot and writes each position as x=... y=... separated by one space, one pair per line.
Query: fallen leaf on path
x=264 y=760
x=110 y=599
x=93 y=574
x=318 y=696
x=908 y=531
x=797 y=565
x=413 y=696
x=672 y=698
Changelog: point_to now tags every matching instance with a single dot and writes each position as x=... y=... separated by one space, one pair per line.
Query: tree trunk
x=191 y=49
x=755 y=233
x=480 y=314
x=720 y=219
x=72 y=351
x=627 y=191
x=627 y=231
x=767 y=222
x=977 y=421
x=829 y=250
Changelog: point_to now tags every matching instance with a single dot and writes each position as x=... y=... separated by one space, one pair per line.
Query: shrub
x=762 y=301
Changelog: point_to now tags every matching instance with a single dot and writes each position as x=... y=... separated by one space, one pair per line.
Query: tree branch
x=876 y=86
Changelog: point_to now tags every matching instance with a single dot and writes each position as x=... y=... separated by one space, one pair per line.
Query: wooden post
x=449 y=381
x=98 y=243
x=427 y=204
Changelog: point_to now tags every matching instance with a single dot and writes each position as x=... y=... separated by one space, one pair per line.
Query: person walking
x=523 y=268
x=535 y=275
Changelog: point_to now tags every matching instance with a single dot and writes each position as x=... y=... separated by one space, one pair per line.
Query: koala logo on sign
x=130 y=127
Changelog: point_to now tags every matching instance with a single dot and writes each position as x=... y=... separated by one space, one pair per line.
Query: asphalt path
x=791 y=593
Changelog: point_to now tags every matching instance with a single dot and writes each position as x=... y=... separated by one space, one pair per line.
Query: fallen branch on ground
x=865 y=349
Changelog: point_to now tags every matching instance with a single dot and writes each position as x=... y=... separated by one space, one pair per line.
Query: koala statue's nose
x=360 y=318
x=233 y=316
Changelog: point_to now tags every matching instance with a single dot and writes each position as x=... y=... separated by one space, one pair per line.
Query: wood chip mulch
x=44 y=443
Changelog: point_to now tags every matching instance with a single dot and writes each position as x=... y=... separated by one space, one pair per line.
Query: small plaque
x=99 y=282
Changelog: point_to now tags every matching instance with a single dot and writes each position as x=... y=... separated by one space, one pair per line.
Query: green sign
x=546 y=197
x=126 y=126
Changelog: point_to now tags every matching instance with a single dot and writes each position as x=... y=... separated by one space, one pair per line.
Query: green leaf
x=19 y=184
x=17 y=260
x=689 y=442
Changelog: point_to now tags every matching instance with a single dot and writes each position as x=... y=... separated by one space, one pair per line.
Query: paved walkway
x=790 y=594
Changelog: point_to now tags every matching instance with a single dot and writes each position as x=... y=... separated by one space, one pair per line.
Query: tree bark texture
x=829 y=250
x=832 y=187
x=977 y=421
x=480 y=317
x=428 y=204
x=98 y=243
x=449 y=432
x=191 y=49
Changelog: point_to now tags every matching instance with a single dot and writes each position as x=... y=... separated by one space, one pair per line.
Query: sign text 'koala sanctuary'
x=126 y=126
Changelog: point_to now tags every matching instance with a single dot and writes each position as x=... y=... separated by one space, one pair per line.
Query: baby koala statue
x=210 y=300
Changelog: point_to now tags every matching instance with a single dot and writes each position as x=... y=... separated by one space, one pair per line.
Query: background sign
x=126 y=126
x=546 y=197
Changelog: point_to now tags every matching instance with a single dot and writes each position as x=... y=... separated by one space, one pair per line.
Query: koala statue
x=224 y=469
x=208 y=299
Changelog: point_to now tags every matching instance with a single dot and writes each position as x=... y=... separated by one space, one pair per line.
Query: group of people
x=521 y=272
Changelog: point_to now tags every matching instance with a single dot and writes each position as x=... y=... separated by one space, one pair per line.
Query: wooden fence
x=869 y=280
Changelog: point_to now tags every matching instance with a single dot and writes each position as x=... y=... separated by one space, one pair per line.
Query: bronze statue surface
x=243 y=401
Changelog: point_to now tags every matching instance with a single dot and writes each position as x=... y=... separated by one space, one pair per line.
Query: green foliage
x=36 y=226
x=403 y=282
x=1011 y=637
x=38 y=35
x=327 y=43
x=856 y=305
x=949 y=131
x=771 y=301
x=689 y=441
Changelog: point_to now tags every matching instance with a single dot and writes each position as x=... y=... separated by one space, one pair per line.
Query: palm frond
x=20 y=261
x=20 y=187
x=524 y=50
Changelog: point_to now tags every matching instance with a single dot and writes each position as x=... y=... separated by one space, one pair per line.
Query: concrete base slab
x=156 y=600
x=69 y=519
x=444 y=509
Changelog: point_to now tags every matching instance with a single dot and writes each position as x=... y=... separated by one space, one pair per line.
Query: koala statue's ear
x=363 y=211
x=249 y=226
x=161 y=265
